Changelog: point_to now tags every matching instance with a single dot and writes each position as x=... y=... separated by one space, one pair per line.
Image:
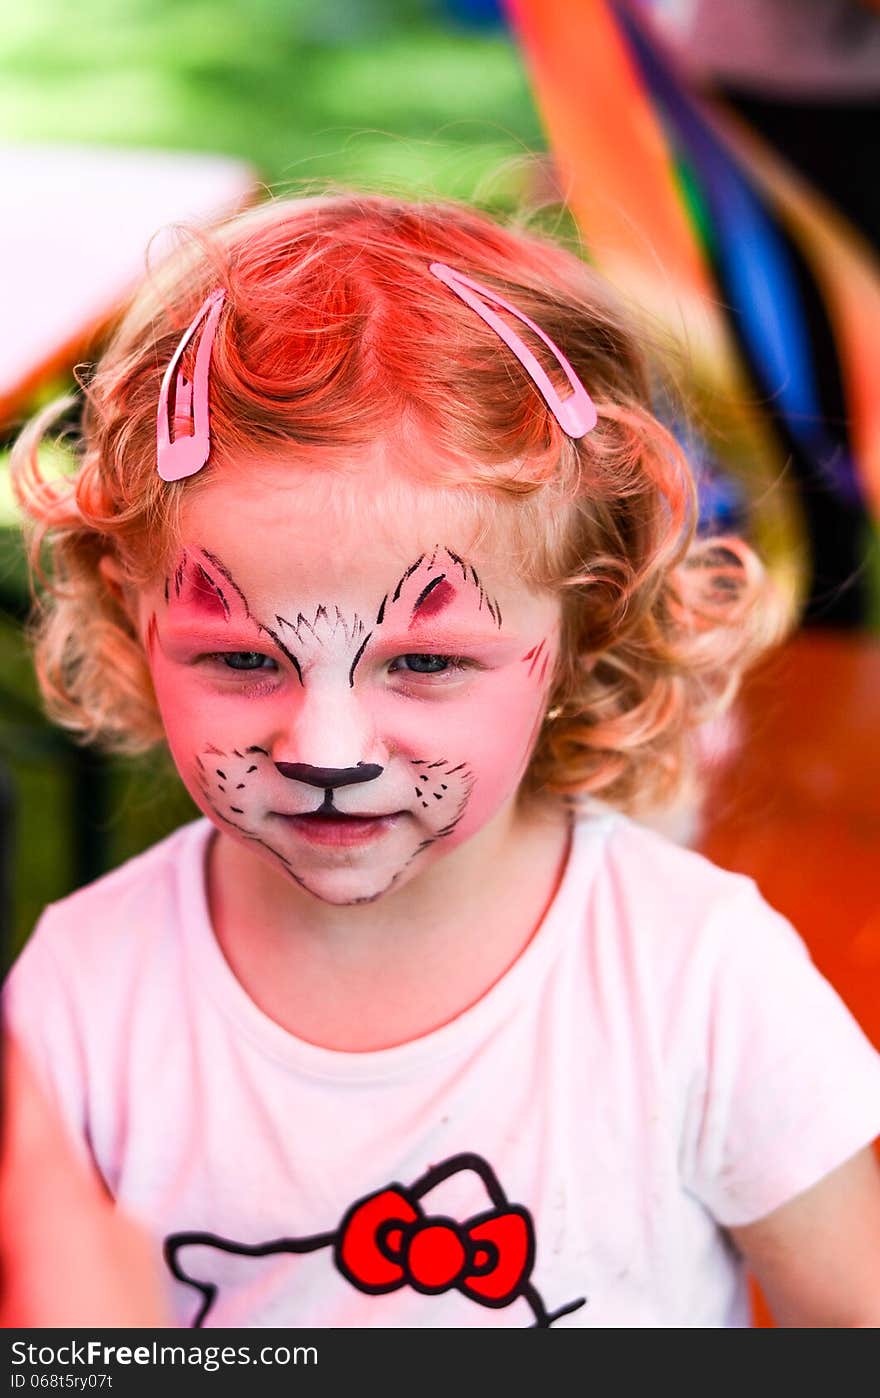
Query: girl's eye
x=427 y=664
x=244 y=659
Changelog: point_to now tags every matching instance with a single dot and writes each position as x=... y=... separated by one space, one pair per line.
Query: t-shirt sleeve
x=39 y=1012
x=785 y=1085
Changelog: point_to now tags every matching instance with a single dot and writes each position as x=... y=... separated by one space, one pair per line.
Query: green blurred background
x=413 y=95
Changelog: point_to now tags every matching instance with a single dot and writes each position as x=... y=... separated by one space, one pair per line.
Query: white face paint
x=307 y=659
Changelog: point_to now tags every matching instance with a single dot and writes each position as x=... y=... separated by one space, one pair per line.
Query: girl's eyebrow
x=206 y=631
x=430 y=631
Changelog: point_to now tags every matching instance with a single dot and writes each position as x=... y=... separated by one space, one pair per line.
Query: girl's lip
x=340 y=829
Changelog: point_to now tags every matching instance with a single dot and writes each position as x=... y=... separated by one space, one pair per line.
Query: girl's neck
x=368 y=976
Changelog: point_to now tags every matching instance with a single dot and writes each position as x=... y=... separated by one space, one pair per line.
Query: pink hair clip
x=191 y=446
x=575 y=414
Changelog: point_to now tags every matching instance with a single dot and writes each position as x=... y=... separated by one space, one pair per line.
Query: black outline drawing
x=411 y=1194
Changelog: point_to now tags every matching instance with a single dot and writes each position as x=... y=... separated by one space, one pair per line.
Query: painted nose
x=329 y=777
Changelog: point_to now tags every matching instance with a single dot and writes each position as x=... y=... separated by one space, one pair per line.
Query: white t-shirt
x=662 y=1059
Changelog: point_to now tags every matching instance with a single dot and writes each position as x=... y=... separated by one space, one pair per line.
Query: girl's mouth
x=332 y=828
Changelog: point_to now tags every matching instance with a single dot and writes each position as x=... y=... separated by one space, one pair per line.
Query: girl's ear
x=111 y=572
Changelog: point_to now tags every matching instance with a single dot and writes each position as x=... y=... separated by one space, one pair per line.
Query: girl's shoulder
x=653 y=861
x=139 y=897
x=666 y=902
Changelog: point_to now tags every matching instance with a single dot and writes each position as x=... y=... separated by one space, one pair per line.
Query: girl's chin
x=345 y=887
x=347 y=862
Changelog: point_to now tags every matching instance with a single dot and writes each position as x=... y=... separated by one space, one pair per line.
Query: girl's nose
x=329 y=739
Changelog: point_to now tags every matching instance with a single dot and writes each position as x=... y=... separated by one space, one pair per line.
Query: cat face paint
x=350 y=710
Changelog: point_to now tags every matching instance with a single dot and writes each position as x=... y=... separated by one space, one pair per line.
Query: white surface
x=75 y=228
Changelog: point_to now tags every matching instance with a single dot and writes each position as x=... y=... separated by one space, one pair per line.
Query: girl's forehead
x=282 y=531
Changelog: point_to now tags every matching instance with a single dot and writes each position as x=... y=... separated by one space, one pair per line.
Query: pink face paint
x=435 y=596
x=536 y=656
x=398 y=707
x=198 y=588
x=204 y=593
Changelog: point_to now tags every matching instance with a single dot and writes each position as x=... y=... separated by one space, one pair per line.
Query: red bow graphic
x=385 y=1241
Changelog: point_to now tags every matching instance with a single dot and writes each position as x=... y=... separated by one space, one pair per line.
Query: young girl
x=415 y=1027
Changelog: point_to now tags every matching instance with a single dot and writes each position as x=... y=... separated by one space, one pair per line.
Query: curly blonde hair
x=331 y=329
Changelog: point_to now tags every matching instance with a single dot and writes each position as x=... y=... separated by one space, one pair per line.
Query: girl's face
x=347 y=686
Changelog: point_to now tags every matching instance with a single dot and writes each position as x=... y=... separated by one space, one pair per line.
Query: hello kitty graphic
x=390 y=1239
